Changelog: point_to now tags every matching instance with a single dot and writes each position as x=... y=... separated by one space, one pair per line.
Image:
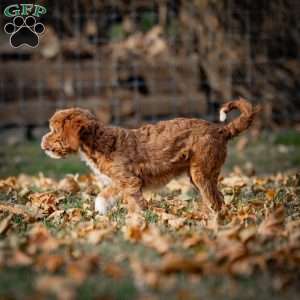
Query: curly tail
x=242 y=122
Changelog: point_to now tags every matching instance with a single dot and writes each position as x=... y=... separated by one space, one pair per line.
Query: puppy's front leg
x=106 y=199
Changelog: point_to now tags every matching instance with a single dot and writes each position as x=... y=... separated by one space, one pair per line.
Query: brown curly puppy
x=127 y=160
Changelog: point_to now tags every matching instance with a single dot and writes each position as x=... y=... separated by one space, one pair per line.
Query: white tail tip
x=223 y=116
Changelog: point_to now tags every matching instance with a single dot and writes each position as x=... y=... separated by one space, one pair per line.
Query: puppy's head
x=65 y=129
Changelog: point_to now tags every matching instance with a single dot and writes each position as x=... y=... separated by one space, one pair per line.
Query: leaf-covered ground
x=53 y=245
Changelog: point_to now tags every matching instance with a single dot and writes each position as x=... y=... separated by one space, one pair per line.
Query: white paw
x=102 y=205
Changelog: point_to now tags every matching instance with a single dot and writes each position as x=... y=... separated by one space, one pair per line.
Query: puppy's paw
x=103 y=205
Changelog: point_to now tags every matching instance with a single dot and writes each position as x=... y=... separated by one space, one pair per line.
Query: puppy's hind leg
x=206 y=180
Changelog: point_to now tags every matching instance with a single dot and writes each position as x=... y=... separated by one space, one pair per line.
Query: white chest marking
x=102 y=178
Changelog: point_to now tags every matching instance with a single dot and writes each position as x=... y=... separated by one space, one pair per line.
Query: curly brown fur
x=132 y=159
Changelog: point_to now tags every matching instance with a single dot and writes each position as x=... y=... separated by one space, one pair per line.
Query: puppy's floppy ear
x=96 y=136
x=71 y=129
x=87 y=132
x=74 y=128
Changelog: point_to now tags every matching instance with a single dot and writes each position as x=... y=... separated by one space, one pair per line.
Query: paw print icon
x=24 y=31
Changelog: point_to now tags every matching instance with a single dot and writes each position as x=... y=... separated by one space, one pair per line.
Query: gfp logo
x=24 y=29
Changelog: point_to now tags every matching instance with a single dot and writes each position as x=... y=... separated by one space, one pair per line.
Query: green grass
x=150 y=216
x=21 y=226
x=16 y=283
x=288 y=138
x=28 y=158
x=101 y=286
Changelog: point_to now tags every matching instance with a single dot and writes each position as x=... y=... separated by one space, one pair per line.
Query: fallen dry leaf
x=293 y=232
x=247 y=265
x=270 y=194
x=8 y=183
x=151 y=237
x=75 y=272
x=192 y=241
x=51 y=263
x=5 y=223
x=69 y=185
x=273 y=224
x=173 y=263
x=230 y=249
x=247 y=233
x=114 y=270
x=21 y=259
x=74 y=214
x=143 y=275
x=172 y=220
x=97 y=235
x=137 y=230
x=17 y=210
x=135 y=225
x=235 y=181
x=45 y=201
x=41 y=238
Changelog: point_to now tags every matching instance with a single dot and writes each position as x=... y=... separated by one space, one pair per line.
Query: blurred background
x=141 y=61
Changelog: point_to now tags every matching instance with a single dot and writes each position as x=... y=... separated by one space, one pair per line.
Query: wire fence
x=131 y=61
